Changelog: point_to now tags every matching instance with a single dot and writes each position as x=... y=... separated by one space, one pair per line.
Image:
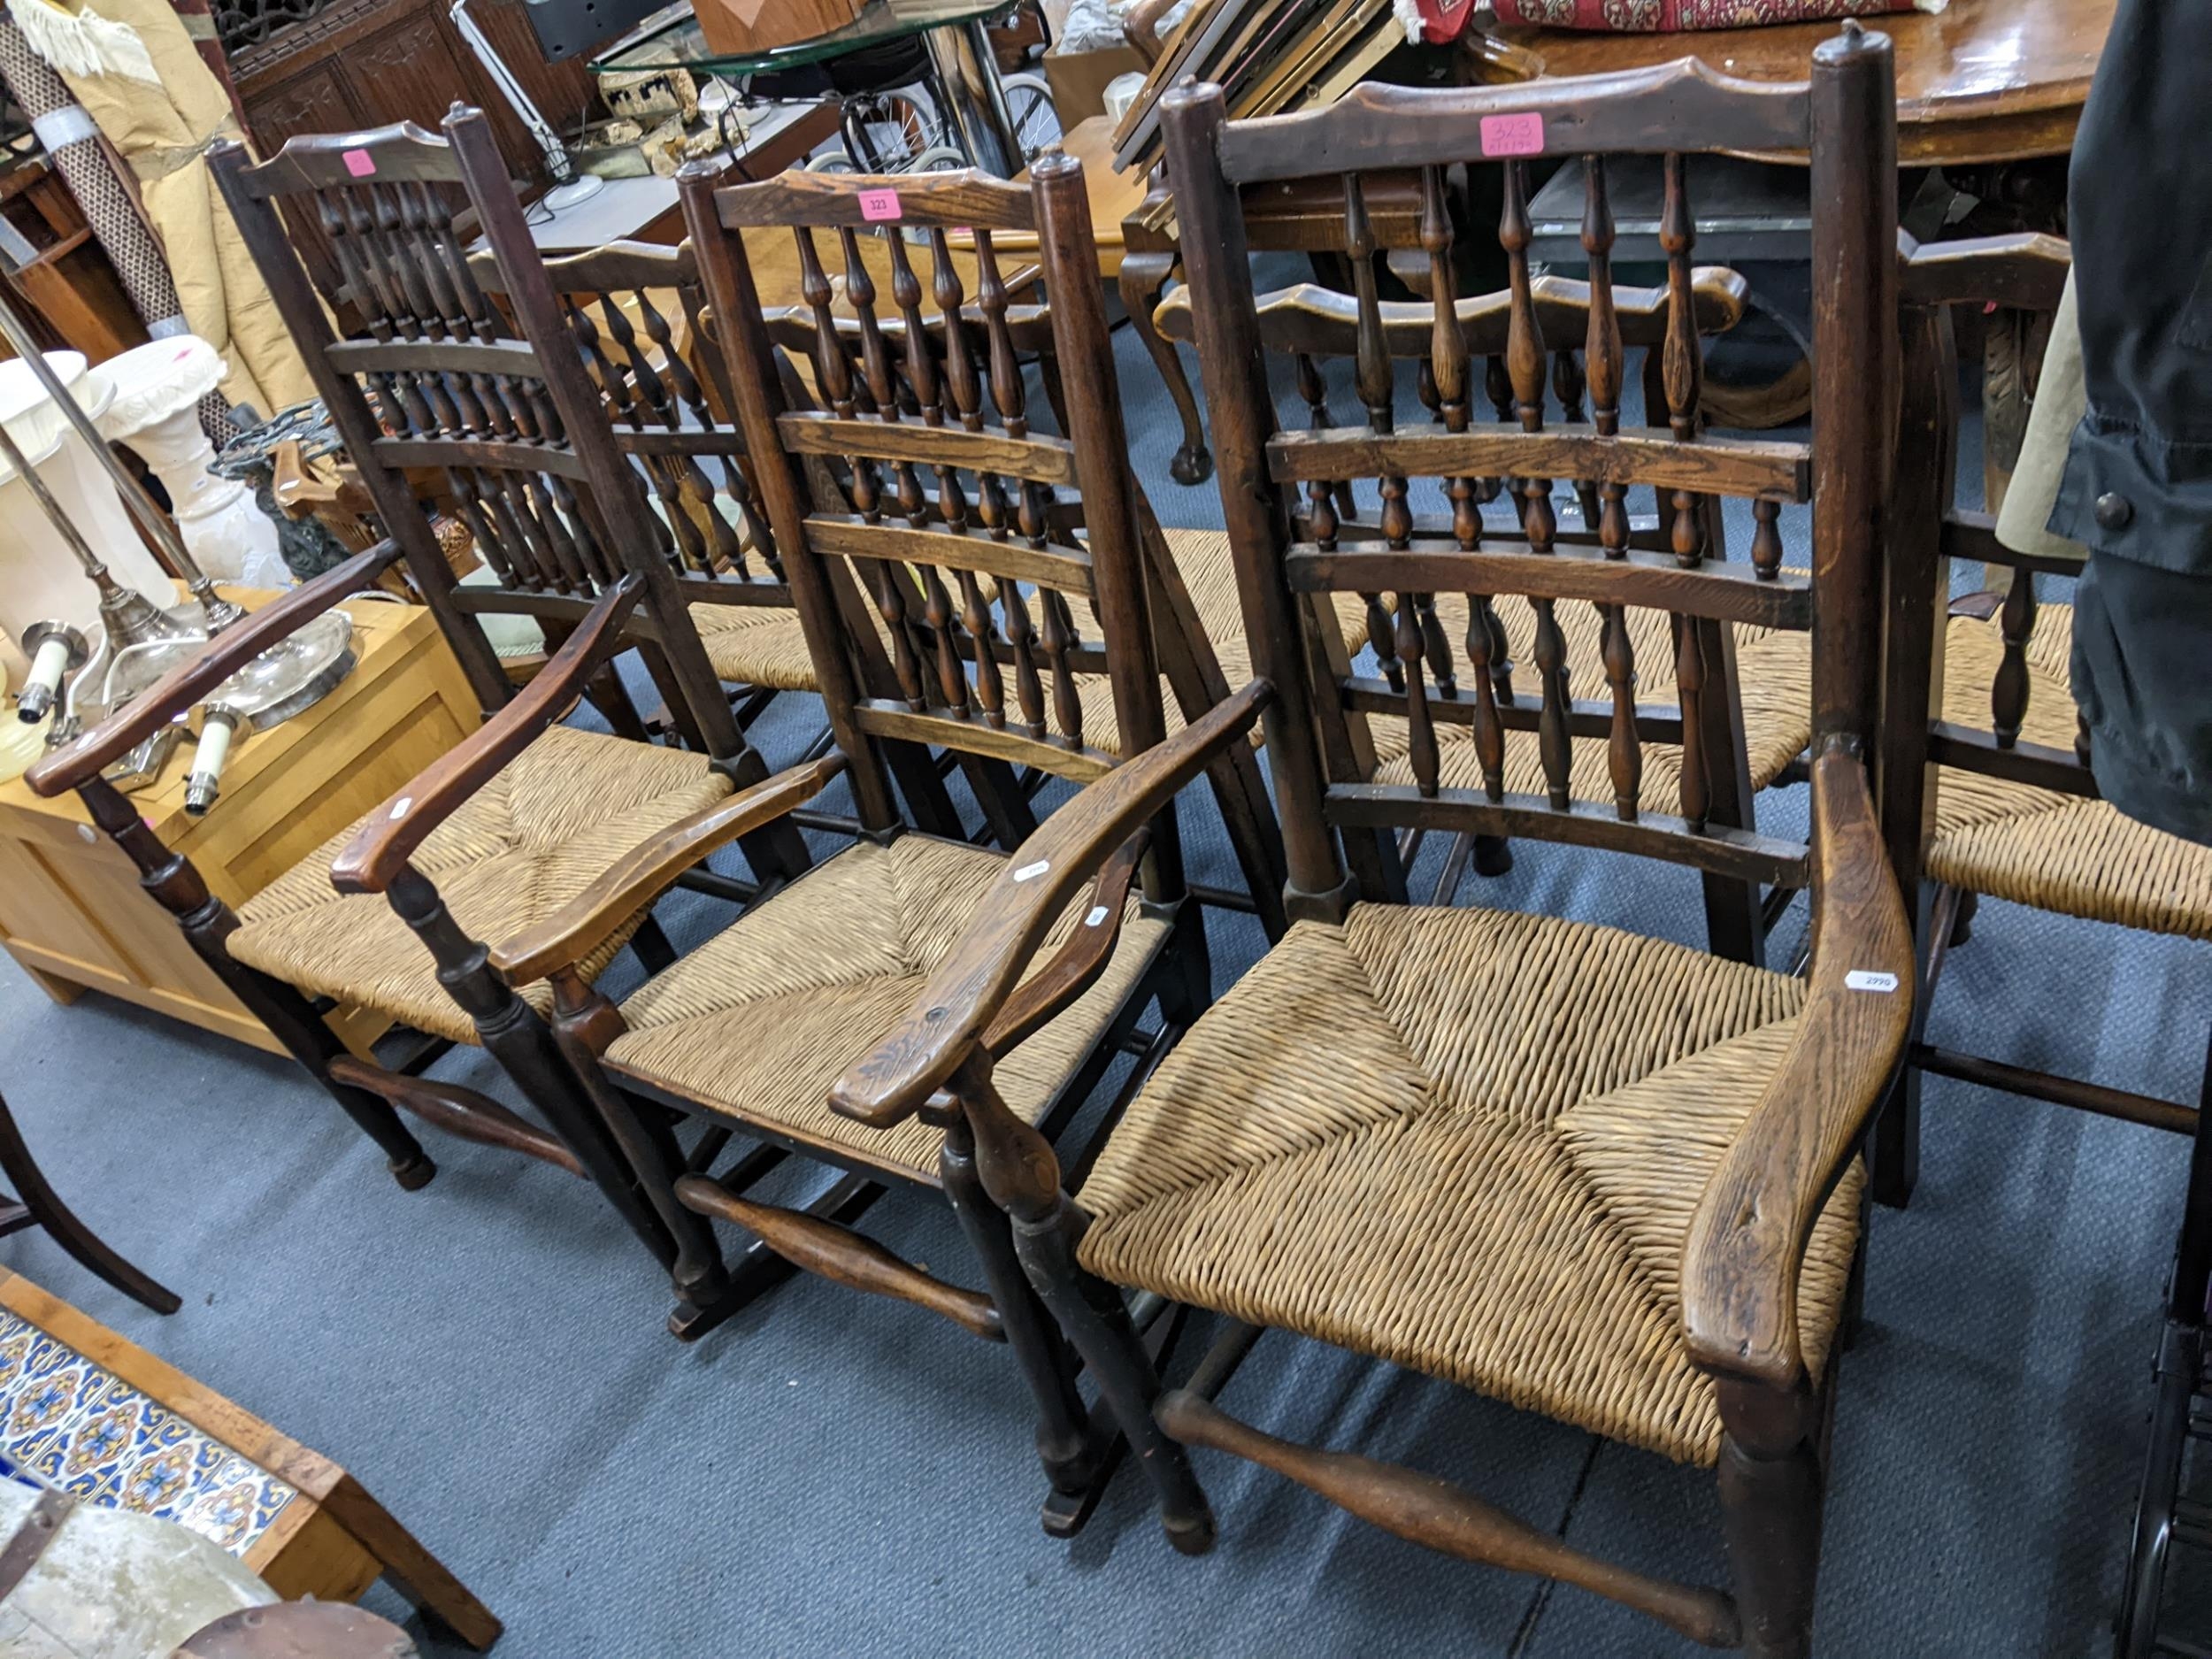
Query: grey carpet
x=836 y=1475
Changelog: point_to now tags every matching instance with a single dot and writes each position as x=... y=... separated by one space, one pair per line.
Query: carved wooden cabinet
x=367 y=63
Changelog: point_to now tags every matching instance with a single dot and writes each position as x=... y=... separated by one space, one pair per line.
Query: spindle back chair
x=636 y=314
x=1985 y=758
x=518 y=446
x=441 y=397
x=952 y=615
x=1986 y=788
x=751 y=634
x=1573 y=1168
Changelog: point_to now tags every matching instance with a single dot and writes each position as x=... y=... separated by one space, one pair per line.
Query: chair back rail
x=448 y=385
x=1287 y=545
x=952 y=529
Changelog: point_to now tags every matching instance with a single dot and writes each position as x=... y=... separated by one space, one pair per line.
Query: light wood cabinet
x=71 y=910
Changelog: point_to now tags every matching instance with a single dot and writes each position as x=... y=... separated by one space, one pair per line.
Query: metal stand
x=220 y=612
x=2163 y=1517
x=965 y=77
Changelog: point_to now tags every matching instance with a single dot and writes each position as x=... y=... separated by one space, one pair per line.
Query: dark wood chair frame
x=515 y=440
x=675 y=415
x=1311 y=324
x=878 y=549
x=1928 y=531
x=1747 y=1241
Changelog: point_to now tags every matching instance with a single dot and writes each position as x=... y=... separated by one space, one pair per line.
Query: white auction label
x=1866 y=979
x=1029 y=872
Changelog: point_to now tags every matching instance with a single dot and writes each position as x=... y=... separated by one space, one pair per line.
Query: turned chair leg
x=1091 y=1312
x=207 y=924
x=1071 y=1454
x=1770 y=1487
x=513 y=1034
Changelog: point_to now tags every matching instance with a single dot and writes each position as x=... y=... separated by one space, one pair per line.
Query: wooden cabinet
x=71 y=910
x=368 y=63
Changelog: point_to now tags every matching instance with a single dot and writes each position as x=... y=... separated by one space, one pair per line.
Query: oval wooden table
x=1981 y=80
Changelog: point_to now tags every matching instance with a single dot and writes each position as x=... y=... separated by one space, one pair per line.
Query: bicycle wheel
x=831 y=161
x=1031 y=113
x=901 y=126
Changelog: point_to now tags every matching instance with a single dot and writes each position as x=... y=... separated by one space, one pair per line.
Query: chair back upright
x=445 y=398
x=1281 y=521
x=1929 y=530
x=955 y=542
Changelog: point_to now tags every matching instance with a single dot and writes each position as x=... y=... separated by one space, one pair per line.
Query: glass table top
x=671 y=39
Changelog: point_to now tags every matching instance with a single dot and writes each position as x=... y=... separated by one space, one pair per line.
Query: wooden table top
x=1981 y=80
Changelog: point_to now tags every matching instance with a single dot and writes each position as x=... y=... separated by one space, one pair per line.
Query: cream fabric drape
x=140 y=77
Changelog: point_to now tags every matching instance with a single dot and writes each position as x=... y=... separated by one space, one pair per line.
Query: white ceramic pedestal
x=39 y=578
x=157 y=391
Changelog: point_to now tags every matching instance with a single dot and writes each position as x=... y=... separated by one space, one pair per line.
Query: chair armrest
x=1080 y=959
x=966 y=995
x=2026 y=269
x=1746 y=1242
x=648 y=870
x=1142 y=28
x=80 y=762
x=395 y=829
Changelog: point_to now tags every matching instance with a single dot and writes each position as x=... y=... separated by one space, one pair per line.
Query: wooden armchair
x=1987 y=787
x=1581 y=1171
x=640 y=321
x=553 y=504
x=1758 y=712
x=970 y=612
x=1986 y=790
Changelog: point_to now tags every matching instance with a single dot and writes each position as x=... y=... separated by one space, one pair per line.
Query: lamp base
x=580 y=188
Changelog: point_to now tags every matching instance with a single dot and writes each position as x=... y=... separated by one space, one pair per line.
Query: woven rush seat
x=1774 y=675
x=541 y=831
x=2056 y=852
x=759 y=645
x=756 y=645
x=1470 y=1142
x=761 y=1019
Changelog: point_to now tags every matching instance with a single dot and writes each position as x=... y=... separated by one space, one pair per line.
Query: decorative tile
x=68 y=1424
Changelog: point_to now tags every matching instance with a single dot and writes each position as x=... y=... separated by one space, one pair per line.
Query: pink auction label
x=1513 y=134
x=878 y=205
x=360 y=164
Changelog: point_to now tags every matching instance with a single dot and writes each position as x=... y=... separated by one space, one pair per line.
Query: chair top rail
x=402 y=153
x=611 y=267
x=1637 y=111
x=946 y=201
x=2028 y=271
